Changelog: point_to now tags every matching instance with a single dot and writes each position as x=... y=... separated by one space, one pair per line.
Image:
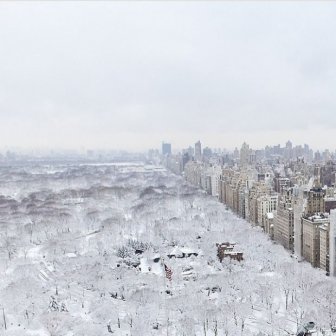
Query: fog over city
x=167 y=168
x=127 y=75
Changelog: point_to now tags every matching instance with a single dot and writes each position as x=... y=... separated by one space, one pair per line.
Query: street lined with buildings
x=289 y=192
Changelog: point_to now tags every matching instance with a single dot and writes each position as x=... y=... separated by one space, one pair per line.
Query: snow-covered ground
x=84 y=250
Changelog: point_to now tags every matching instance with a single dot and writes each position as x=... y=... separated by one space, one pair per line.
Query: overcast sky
x=129 y=75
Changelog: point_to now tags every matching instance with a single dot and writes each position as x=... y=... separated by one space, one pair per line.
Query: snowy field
x=84 y=250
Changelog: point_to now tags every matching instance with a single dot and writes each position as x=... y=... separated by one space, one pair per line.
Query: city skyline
x=172 y=144
x=126 y=75
x=168 y=168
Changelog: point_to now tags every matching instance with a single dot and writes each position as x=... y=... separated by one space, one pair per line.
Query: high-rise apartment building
x=299 y=205
x=324 y=247
x=311 y=237
x=236 y=153
x=166 y=148
x=207 y=152
x=281 y=184
x=284 y=224
x=315 y=201
x=198 y=151
x=289 y=150
x=266 y=204
x=328 y=173
x=332 y=243
x=244 y=154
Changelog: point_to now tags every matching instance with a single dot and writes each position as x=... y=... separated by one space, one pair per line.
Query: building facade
x=311 y=238
x=284 y=225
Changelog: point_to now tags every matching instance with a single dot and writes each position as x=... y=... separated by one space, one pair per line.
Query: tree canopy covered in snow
x=85 y=250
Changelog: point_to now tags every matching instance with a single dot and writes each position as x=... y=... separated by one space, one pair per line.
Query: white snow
x=84 y=256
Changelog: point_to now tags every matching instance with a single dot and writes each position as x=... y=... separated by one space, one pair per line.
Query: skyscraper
x=288 y=150
x=166 y=148
x=244 y=154
x=198 y=151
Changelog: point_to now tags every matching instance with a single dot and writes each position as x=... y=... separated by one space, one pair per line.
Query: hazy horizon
x=114 y=75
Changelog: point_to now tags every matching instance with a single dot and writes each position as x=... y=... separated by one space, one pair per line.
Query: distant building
x=317 y=156
x=252 y=157
x=244 y=154
x=288 y=150
x=185 y=159
x=166 y=148
x=236 y=153
x=198 y=151
x=190 y=150
x=281 y=184
x=327 y=174
x=174 y=163
x=207 y=152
